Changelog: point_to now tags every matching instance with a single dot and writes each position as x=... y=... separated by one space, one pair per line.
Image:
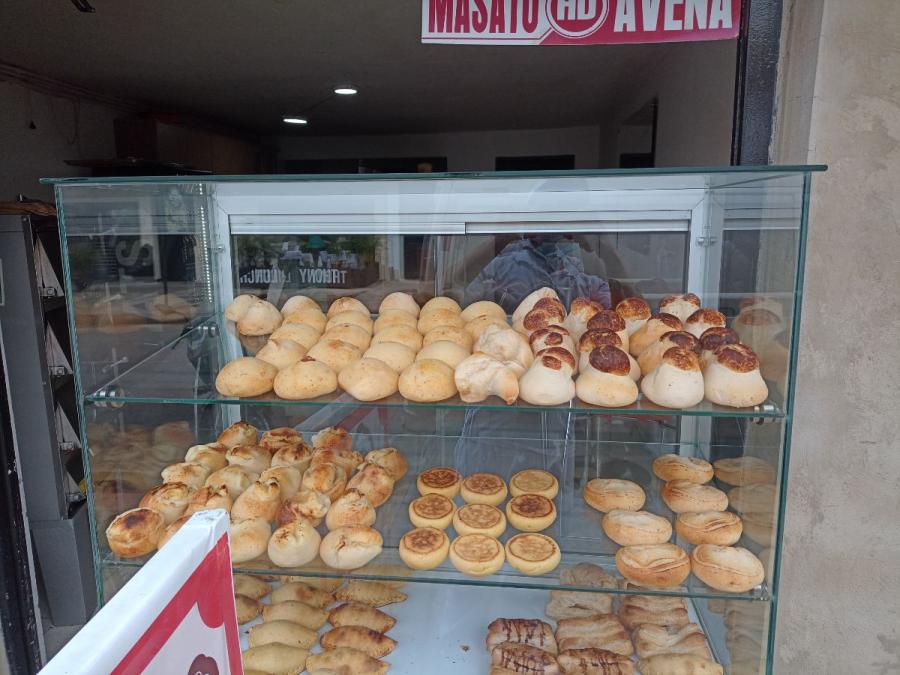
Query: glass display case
x=153 y=265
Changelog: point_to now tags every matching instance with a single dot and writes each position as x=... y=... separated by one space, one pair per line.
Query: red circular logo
x=577 y=18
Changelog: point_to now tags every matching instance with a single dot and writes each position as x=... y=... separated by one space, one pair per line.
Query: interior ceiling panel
x=248 y=64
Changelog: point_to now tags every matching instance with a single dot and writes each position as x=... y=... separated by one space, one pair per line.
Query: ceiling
x=247 y=64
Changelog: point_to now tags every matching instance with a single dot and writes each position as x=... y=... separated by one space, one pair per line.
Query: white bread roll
x=460 y=336
x=368 y=380
x=528 y=303
x=402 y=334
x=676 y=382
x=480 y=376
x=349 y=548
x=395 y=317
x=652 y=355
x=260 y=318
x=439 y=317
x=681 y=306
x=245 y=377
x=483 y=308
x=505 y=344
x=607 y=381
x=397 y=356
x=239 y=306
x=580 y=312
x=294 y=544
x=349 y=332
x=651 y=331
x=636 y=313
x=702 y=319
x=281 y=352
x=248 y=539
x=733 y=378
x=311 y=316
x=427 y=381
x=478 y=325
x=305 y=379
x=336 y=354
x=441 y=302
x=364 y=321
x=444 y=350
x=301 y=333
x=346 y=304
x=399 y=301
x=549 y=379
x=296 y=303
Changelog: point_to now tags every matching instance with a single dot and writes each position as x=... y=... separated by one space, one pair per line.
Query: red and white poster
x=176 y=616
x=578 y=22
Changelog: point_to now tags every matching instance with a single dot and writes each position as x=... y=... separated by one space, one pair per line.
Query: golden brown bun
x=460 y=336
x=249 y=539
x=476 y=554
x=483 y=488
x=399 y=301
x=305 y=379
x=308 y=504
x=349 y=548
x=657 y=565
x=327 y=478
x=351 y=508
x=530 y=513
x=372 y=593
x=349 y=332
x=534 y=482
x=391 y=459
x=192 y=474
x=247 y=608
x=209 y=498
x=702 y=319
x=253 y=458
x=260 y=500
x=709 y=527
x=245 y=377
x=427 y=381
x=651 y=331
x=368 y=380
x=235 y=479
x=346 y=304
x=395 y=317
x=363 y=320
x=431 y=510
x=483 y=308
x=211 y=456
x=479 y=519
x=135 y=532
x=397 y=356
x=607 y=494
x=635 y=528
x=239 y=433
x=444 y=350
x=295 y=612
x=288 y=478
x=239 y=306
x=424 y=548
x=681 y=306
x=281 y=632
x=304 y=335
x=294 y=544
x=374 y=482
x=348 y=460
x=677 y=467
x=336 y=354
x=169 y=500
x=298 y=591
x=744 y=470
x=442 y=303
x=532 y=553
x=440 y=480
x=366 y=640
x=683 y=496
x=259 y=318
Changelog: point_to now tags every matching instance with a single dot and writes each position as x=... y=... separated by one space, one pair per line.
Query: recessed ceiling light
x=346 y=91
x=295 y=120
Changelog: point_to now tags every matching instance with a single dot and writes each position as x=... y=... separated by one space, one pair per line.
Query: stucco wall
x=839 y=610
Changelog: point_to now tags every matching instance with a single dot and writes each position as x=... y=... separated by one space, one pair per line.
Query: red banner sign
x=578 y=22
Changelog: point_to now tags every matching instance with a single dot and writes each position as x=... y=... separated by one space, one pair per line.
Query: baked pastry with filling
x=345 y=660
x=523 y=658
x=364 y=639
x=358 y=614
x=135 y=532
x=371 y=593
x=532 y=632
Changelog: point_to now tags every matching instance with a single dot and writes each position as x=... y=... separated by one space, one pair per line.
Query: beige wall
x=839 y=609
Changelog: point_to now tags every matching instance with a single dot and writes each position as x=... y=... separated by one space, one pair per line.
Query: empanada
x=275 y=659
x=346 y=661
x=603 y=631
x=301 y=592
x=633 y=616
x=358 y=614
x=372 y=593
x=295 y=612
x=650 y=640
x=247 y=608
x=366 y=640
x=283 y=632
x=573 y=604
x=328 y=584
x=251 y=586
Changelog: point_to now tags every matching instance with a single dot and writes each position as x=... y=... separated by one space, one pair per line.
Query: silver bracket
x=707 y=241
x=210 y=330
x=108 y=397
x=766 y=408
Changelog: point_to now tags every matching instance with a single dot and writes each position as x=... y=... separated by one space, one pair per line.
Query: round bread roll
x=374 y=482
x=249 y=538
x=636 y=528
x=172 y=529
x=479 y=519
x=260 y=318
x=305 y=379
x=477 y=327
x=450 y=333
x=299 y=302
x=549 y=379
x=709 y=527
x=169 y=500
x=364 y=321
x=135 y=532
x=532 y=554
x=351 y=508
x=239 y=433
x=530 y=513
x=443 y=350
x=235 y=479
x=477 y=555
x=427 y=381
x=731 y=569
x=275 y=439
x=310 y=316
x=636 y=312
x=210 y=458
x=347 y=304
x=581 y=311
x=399 y=301
x=409 y=337
x=395 y=317
x=480 y=376
x=260 y=500
x=655 y=565
x=732 y=378
x=754 y=498
x=676 y=382
x=677 y=467
x=253 y=458
x=368 y=380
x=702 y=319
x=424 y=548
x=441 y=303
x=294 y=544
x=281 y=352
x=439 y=317
x=327 y=478
x=744 y=470
x=397 y=356
x=297 y=456
x=239 y=306
x=607 y=379
x=440 y=480
x=483 y=488
x=683 y=496
x=250 y=586
x=681 y=306
x=347 y=459
x=391 y=459
x=349 y=548
x=432 y=510
x=288 y=478
x=608 y=494
x=535 y=482
x=304 y=335
x=349 y=332
x=650 y=332
x=336 y=354
x=192 y=474
x=207 y=498
x=505 y=344
x=306 y=504
x=483 y=308
x=245 y=377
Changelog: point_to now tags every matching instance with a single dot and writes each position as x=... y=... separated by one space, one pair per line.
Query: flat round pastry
x=534 y=482
x=607 y=494
x=683 y=496
x=479 y=519
x=483 y=488
x=432 y=510
x=477 y=555
x=439 y=480
x=677 y=467
x=656 y=565
x=530 y=513
x=709 y=527
x=727 y=568
x=744 y=470
x=349 y=548
x=533 y=554
x=169 y=500
x=424 y=548
x=135 y=532
x=635 y=528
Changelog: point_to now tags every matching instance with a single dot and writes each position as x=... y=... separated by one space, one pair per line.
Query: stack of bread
x=294 y=614
x=276 y=479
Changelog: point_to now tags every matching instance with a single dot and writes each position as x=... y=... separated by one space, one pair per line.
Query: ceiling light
x=346 y=91
x=295 y=120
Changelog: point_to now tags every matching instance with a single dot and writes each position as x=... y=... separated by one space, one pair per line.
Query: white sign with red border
x=578 y=22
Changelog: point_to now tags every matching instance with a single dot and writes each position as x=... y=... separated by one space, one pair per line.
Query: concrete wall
x=839 y=610
x=64 y=129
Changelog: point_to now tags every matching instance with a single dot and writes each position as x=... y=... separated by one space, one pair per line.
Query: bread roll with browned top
x=552 y=336
x=349 y=332
x=652 y=355
x=592 y=339
x=260 y=500
x=681 y=306
x=351 y=508
x=676 y=382
x=549 y=379
x=703 y=319
x=135 y=532
x=442 y=303
x=346 y=304
x=528 y=303
x=732 y=378
x=580 y=312
x=712 y=339
x=727 y=568
x=391 y=459
x=374 y=482
x=609 y=319
x=546 y=312
x=169 y=500
x=239 y=433
x=636 y=313
x=607 y=381
x=656 y=565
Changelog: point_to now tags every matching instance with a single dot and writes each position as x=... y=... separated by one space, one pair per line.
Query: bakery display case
x=469 y=400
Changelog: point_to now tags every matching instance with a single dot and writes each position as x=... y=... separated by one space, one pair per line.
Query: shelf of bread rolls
x=455 y=509
x=681 y=360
